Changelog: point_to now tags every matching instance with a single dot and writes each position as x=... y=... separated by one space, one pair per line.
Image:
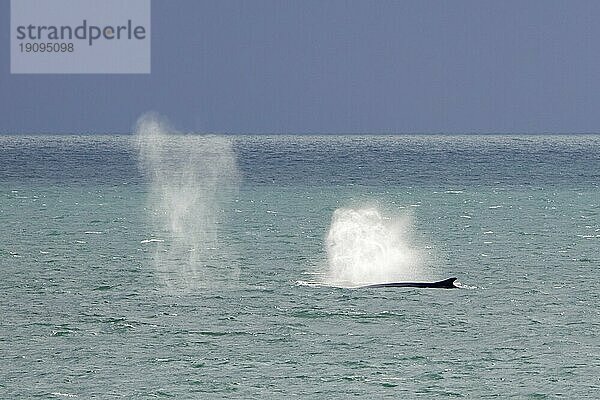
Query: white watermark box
x=80 y=36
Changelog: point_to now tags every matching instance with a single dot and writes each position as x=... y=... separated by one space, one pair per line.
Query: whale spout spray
x=364 y=247
x=190 y=177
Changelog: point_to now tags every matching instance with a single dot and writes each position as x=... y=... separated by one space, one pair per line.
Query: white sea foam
x=465 y=286
x=309 y=283
x=152 y=241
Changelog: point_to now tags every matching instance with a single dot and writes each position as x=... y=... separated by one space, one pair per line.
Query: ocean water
x=174 y=266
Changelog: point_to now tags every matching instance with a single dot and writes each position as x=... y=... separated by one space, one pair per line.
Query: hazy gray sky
x=335 y=66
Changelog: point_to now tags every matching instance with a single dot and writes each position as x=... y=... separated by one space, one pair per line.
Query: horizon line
x=91 y=133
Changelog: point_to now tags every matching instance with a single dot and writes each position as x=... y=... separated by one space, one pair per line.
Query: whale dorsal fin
x=446 y=283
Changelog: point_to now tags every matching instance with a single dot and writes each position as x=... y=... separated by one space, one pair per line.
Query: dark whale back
x=445 y=284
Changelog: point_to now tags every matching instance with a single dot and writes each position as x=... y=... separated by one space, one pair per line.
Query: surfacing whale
x=445 y=284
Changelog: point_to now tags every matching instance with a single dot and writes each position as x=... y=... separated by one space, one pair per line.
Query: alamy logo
x=80 y=36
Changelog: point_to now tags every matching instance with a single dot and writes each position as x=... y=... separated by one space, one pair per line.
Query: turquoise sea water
x=201 y=267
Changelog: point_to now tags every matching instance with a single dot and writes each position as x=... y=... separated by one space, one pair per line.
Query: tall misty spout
x=190 y=177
